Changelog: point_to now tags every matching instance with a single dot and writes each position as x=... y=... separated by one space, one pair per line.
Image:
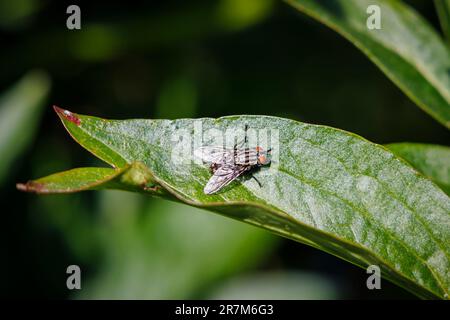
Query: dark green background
x=171 y=59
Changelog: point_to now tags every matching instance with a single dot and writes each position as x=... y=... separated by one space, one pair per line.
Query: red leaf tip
x=31 y=186
x=69 y=116
x=58 y=109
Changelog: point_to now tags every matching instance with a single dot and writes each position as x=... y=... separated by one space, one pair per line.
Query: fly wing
x=213 y=154
x=222 y=177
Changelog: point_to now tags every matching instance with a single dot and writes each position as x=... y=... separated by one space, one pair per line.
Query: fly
x=226 y=165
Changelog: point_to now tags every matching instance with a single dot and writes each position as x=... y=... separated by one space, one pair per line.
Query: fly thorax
x=247 y=157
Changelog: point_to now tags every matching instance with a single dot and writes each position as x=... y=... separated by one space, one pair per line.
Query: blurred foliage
x=153 y=249
x=405 y=48
x=162 y=250
x=17 y=14
x=288 y=285
x=144 y=61
x=20 y=113
x=443 y=11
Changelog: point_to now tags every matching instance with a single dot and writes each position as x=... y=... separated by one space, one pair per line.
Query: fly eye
x=262 y=159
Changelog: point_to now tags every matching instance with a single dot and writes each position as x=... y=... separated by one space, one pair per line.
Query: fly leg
x=243 y=142
x=245 y=137
x=259 y=183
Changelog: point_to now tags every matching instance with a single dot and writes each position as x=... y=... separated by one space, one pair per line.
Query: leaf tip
x=66 y=114
x=31 y=186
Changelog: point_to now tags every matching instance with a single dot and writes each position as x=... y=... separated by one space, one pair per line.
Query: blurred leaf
x=178 y=98
x=14 y=14
x=74 y=220
x=20 y=113
x=331 y=189
x=277 y=286
x=97 y=42
x=237 y=14
x=188 y=23
x=164 y=250
x=443 y=10
x=406 y=48
x=431 y=160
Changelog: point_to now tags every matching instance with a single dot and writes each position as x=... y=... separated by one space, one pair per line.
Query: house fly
x=227 y=165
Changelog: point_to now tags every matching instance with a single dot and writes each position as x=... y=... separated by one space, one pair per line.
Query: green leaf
x=406 y=48
x=327 y=188
x=20 y=113
x=133 y=177
x=431 y=160
x=443 y=10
